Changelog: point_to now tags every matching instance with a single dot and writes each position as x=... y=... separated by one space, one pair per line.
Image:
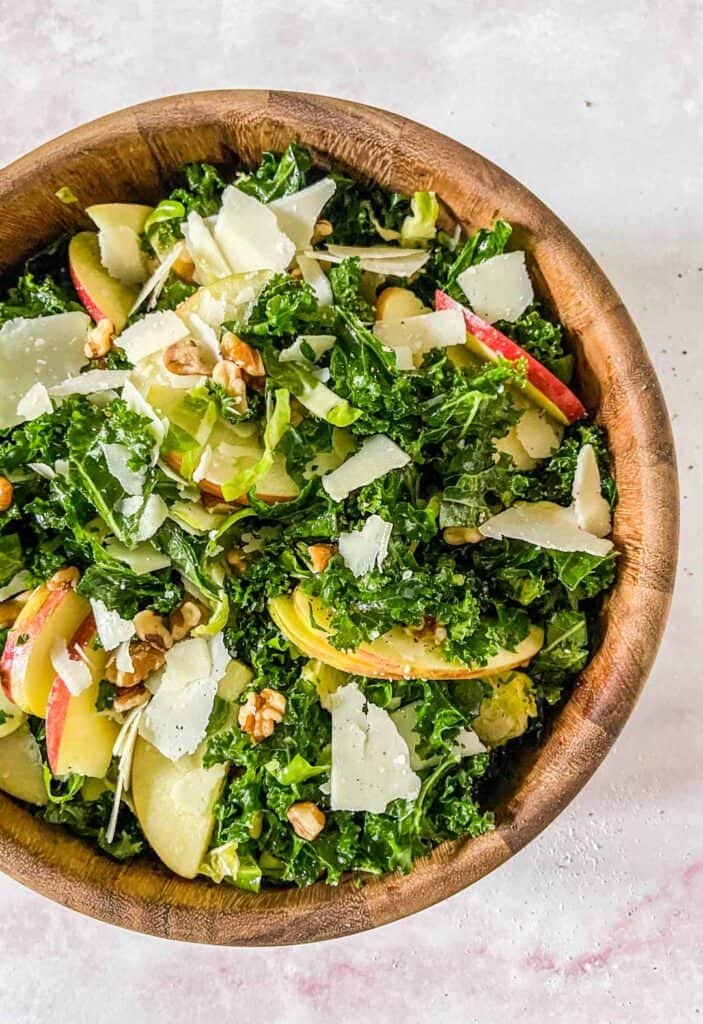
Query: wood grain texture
x=128 y=156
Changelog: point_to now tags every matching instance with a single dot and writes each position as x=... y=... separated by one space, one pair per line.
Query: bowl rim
x=387 y=146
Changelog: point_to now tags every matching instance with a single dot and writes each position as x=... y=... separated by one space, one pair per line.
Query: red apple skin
x=566 y=406
x=30 y=620
x=95 y=734
x=103 y=296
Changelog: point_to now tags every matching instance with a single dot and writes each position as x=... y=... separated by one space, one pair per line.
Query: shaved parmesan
x=466 y=742
x=40 y=350
x=545 y=525
x=41 y=469
x=298 y=213
x=386 y=260
x=70 y=667
x=370 y=759
x=209 y=260
x=19 y=582
x=112 y=628
x=141 y=559
x=424 y=332
x=154 y=286
x=123 y=658
x=318 y=343
x=117 y=458
x=121 y=254
x=591 y=510
x=365 y=548
x=34 y=403
x=177 y=716
x=510 y=444
x=315 y=276
x=249 y=236
x=124 y=750
x=403 y=357
x=135 y=401
x=153 y=333
x=498 y=288
x=89 y=383
x=377 y=456
x=538 y=434
x=153 y=513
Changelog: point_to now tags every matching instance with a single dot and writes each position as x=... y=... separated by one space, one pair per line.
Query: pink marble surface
x=597 y=107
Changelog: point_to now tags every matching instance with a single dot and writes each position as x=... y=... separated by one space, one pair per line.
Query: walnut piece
x=184 y=358
x=259 y=715
x=455 y=535
x=99 y=341
x=242 y=354
x=307 y=819
x=185 y=618
x=64 y=579
x=229 y=376
x=145 y=659
x=131 y=697
x=151 y=628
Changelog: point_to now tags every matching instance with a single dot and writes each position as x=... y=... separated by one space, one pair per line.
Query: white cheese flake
x=386 y=260
x=538 y=434
x=153 y=513
x=153 y=333
x=90 y=383
x=591 y=510
x=314 y=275
x=155 y=284
x=424 y=332
x=112 y=628
x=141 y=559
x=41 y=469
x=248 y=234
x=117 y=457
x=121 y=254
x=298 y=212
x=177 y=715
x=364 y=549
x=370 y=759
x=34 y=403
x=209 y=260
x=545 y=525
x=123 y=658
x=318 y=344
x=498 y=288
x=44 y=350
x=135 y=401
x=70 y=667
x=377 y=456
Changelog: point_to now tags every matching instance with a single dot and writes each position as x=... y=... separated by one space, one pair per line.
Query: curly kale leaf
x=277 y=176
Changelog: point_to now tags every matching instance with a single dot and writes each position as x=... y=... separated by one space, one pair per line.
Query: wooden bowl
x=128 y=156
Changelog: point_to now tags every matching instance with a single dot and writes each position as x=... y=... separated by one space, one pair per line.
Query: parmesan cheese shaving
x=591 y=510
x=498 y=288
x=248 y=234
x=298 y=213
x=424 y=332
x=117 y=458
x=34 y=403
x=364 y=549
x=377 y=456
x=71 y=668
x=209 y=260
x=545 y=525
x=112 y=629
x=315 y=276
x=153 y=333
x=155 y=284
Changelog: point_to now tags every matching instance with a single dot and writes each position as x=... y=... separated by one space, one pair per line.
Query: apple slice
x=21 y=769
x=543 y=387
x=399 y=653
x=78 y=738
x=109 y=216
x=11 y=717
x=174 y=802
x=25 y=669
x=102 y=295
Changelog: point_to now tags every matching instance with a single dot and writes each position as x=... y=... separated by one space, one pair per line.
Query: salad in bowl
x=303 y=528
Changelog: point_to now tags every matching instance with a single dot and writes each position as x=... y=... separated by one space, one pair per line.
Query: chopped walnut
x=320 y=555
x=296 y=273
x=307 y=819
x=132 y=697
x=9 y=610
x=258 y=717
x=185 y=618
x=64 y=579
x=239 y=352
x=145 y=659
x=151 y=628
x=229 y=376
x=6 y=494
x=237 y=559
x=185 y=358
x=99 y=341
x=323 y=229
x=455 y=535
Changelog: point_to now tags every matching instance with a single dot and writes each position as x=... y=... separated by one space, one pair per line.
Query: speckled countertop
x=598 y=108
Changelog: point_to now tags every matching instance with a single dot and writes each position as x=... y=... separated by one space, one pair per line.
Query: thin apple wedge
x=174 y=802
x=21 y=770
x=11 y=717
x=543 y=387
x=396 y=654
x=103 y=296
x=78 y=738
x=26 y=670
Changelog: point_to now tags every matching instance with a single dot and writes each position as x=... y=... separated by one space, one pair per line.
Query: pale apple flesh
x=103 y=296
x=11 y=717
x=25 y=669
x=174 y=802
x=21 y=768
x=543 y=387
x=79 y=738
x=119 y=215
x=396 y=654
